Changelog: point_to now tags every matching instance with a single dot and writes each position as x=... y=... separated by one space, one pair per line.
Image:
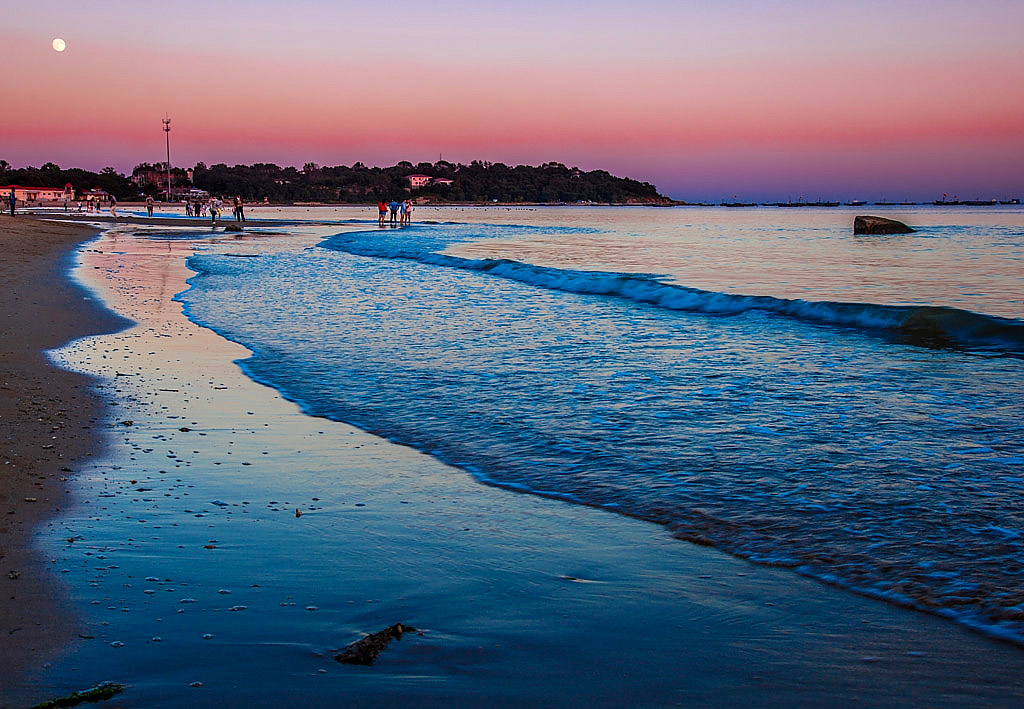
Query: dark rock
x=879 y=225
x=365 y=651
x=232 y=227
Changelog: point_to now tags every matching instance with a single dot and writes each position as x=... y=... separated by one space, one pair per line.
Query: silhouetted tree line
x=475 y=182
x=51 y=175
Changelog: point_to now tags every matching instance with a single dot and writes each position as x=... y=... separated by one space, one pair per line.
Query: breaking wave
x=921 y=325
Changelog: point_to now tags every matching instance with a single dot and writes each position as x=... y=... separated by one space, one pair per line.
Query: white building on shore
x=39 y=194
x=416 y=181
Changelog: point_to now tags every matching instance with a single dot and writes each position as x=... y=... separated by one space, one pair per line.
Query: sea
x=758 y=380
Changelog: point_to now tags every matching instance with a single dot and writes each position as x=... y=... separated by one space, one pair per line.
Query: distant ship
x=804 y=204
x=856 y=203
x=972 y=202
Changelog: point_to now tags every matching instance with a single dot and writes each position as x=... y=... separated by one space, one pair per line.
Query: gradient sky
x=764 y=100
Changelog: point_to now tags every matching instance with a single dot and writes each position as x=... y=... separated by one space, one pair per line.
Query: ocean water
x=756 y=380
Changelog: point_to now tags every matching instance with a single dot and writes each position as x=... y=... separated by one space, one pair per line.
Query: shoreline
x=54 y=210
x=503 y=582
x=48 y=422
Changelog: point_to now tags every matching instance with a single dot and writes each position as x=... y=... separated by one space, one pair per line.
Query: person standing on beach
x=113 y=206
x=239 y=212
x=149 y=205
x=393 y=208
x=12 y=200
x=382 y=211
x=407 y=213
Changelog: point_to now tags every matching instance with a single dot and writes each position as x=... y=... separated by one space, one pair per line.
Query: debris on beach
x=366 y=650
x=99 y=693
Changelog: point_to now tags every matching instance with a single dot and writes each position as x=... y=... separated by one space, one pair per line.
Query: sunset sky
x=823 y=99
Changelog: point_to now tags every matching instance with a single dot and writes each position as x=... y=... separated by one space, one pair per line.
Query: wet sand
x=225 y=546
x=130 y=216
x=48 y=421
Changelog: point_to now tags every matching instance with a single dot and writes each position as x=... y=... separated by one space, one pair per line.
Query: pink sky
x=763 y=100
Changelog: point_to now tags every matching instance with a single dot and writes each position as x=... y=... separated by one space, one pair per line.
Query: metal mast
x=167 y=134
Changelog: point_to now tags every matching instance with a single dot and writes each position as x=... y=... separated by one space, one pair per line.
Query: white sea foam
x=923 y=324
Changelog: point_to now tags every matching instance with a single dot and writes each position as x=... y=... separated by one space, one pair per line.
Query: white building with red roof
x=418 y=180
x=38 y=194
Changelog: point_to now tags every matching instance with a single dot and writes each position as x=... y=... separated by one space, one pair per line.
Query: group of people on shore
x=400 y=211
x=88 y=206
x=199 y=208
x=213 y=206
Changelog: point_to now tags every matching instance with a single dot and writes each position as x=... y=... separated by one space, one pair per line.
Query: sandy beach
x=48 y=421
x=223 y=546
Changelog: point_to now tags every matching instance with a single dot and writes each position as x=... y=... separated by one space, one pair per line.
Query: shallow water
x=765 y=433
x=610 y=357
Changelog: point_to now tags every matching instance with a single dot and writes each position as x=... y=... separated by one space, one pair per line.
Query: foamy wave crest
x=927 y=326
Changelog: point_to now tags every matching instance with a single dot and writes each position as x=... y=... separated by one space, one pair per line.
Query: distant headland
x=440 y=182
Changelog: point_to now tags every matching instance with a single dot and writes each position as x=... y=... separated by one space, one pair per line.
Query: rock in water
x=879 y=225
x=232 y=227
x=365 y=651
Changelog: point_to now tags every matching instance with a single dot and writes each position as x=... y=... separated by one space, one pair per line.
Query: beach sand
x=47 y=423
x=225 y=545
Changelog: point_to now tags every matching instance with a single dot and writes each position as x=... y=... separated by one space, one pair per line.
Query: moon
x=59 y=45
